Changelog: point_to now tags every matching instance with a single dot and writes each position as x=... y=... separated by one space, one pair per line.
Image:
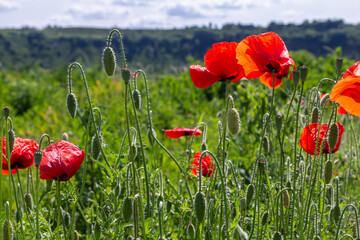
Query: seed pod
x=278 y=122
x=65 y=136
x=315 y=115
x=7 y=231
x=137 y=99
x=240 y=234
x=109 y=61
x=190 y=231
x=11 y=134
x=37 y=157
x=333 y=135
x=95 y=147
x=336 y=213
x=126 y=75
x=266 y=145
x=97 y=231
x=264 y=218
x=303 y=73
x=200 y=206
x=295 y=77
x=328 y=171
x=150 y=137
x=67 y=219
x=277 y=236
x=286 y=198
x=324 y=99
x=233 y=121
x=71 y=104
x=29 y=201
x=249 y=194
x=127 y=209
x=339 y=64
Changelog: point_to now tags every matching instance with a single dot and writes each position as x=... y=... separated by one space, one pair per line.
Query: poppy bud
x=315 y=115
x=71 y=104
x=328 y=171
x=190 y=231
x=336 y=213
x=37 y=157
x=200 y=206
x=11 y=134
x=132 y=152
x=18 y=215
x=333 y=135
x=137 y=99
x=168 y=206
x=65 y=136
x=303 y=73
x=203 y=147
x=288 y=184
x=339 y=64
x=126 y=75
x=109 y=61
x=324 y=99
x=67 y=219
x=240 y=234
x=329 y=194
x=7 y=230
x=97 y=231
x=266 y=145
x=243 y=203
x=286 y=198
x=264 y=218
x=150 y=137
x=331 y=216
x=6 y=111
x=249 y=194
x=127 y=209
x=277 y=236
x=208 y=235
x=278 y=122
x=29 y=201
x=95 y=147
x=76 y=235
x=233 y=121
x=296 y=77
x=316 y=237
x=261 y=165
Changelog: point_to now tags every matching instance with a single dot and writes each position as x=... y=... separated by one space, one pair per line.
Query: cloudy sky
x=170 y=14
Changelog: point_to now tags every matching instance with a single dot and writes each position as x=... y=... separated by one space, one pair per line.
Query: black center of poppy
x=62 y=177
x=186 y=133
x=272 y=68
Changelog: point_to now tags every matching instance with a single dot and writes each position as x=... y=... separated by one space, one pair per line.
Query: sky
x=165 y=14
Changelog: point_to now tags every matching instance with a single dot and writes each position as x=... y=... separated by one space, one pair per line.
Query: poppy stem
x=58 y=208
x=121 y=44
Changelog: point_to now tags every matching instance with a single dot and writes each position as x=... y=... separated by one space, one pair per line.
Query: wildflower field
x=252 y=143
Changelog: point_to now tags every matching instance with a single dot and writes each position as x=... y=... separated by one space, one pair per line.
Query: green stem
x=58 y=208
x=342 y=215
x=121 y=44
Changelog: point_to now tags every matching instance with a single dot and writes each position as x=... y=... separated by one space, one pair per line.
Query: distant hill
x=162 y=50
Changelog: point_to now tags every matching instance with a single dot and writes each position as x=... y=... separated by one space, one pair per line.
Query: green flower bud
x=303 y=73
x=11 y=135
x=190 y=231
x=339 y=64
x=266 y=145
x=328 y=171
x=71 y=104
x=109 y=61
x=333 y=135
x=126 y=75
x=7 y=230
x=65 y=136
x=324 y=99
x=200 y=206
x=95 y=147
x=336 y=213
x=264 y=218
x=97 y=231
x=137 y=99
x=315 y=115
x=286 y=199
x=296 y=77
x=150 y=137
x=127 y=209
x=233 y=121
x=278 y=122
x=29 y=201
x=277 y=236
x=67 y=220
x=249 y=194
x=240 y=234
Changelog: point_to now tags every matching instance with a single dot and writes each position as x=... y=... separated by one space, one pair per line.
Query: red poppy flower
x=22 y=155
x=60 y=161
x=346 y=92
x=309 y=136
x=341 y=110
x=221 y=64
x=180 y=132
x=261 y=55
x=207 y=165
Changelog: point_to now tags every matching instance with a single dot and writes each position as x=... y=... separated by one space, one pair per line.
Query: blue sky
x=170 y=14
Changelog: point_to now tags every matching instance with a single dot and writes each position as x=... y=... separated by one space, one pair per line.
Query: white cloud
x=6 y=6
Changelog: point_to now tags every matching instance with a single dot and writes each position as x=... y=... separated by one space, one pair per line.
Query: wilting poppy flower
x=309 y=136
x=346 y=92
x=207 y=165
x=341 y=110
x=180 y=132
x=221 y=64
x=60 y=161
x=22 y=155
x=261 y=55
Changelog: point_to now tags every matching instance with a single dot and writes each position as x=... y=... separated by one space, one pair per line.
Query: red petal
x=341 y=110
x=354 y=70
x=202 y=77
x=180 y=132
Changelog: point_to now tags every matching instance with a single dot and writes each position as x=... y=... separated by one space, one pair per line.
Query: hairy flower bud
x=264 y=218
x=296 y=77
x=7 y=230
x=200 y=206
x=278 y=122
x=339 y=64
x=127 y=209
x=65 y=136
x=315 y=115
x=324 y=99
x=286 y=199
x=333 y=135
x=303 y=73
x=336 y=213
x=126 y=75
x=11 y=134
x=266 y=145
x=71 y=104
x=109 y=61
x=137 y=99
x=240 y=234
x=95 y=147
x=233 y=121
x=6 y=111
x=277 y=236
x=190 y=231
x=29 y=201
x=249 y=194
x=328 y=171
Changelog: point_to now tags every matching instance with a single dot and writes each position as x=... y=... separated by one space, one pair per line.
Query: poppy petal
x=180 y=132
x=202 y=77
x=341 y=110
x=354 y=70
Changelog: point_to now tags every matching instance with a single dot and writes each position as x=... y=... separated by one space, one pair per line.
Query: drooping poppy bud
x=264 y=218
x=127 y=209
x=266 y=145
x=328 y=171
x=137 y=99
x=11 y=138
x=249 y=194
x=233 y=121
x=240 y=234
x=7 y=230
x=286 y=199
x=109 y=61
x=71 y=104
x=315 y=115
x=323 y=99
x=190 y=231
x=150 y=136
x=126 y=75
x=200 y=206
x=65 y=136
x=95 y=147
x=278 y=122
x=28 y=199
x=336 y=213
x=333 y=135
x=277 y=236
x=6 y=111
